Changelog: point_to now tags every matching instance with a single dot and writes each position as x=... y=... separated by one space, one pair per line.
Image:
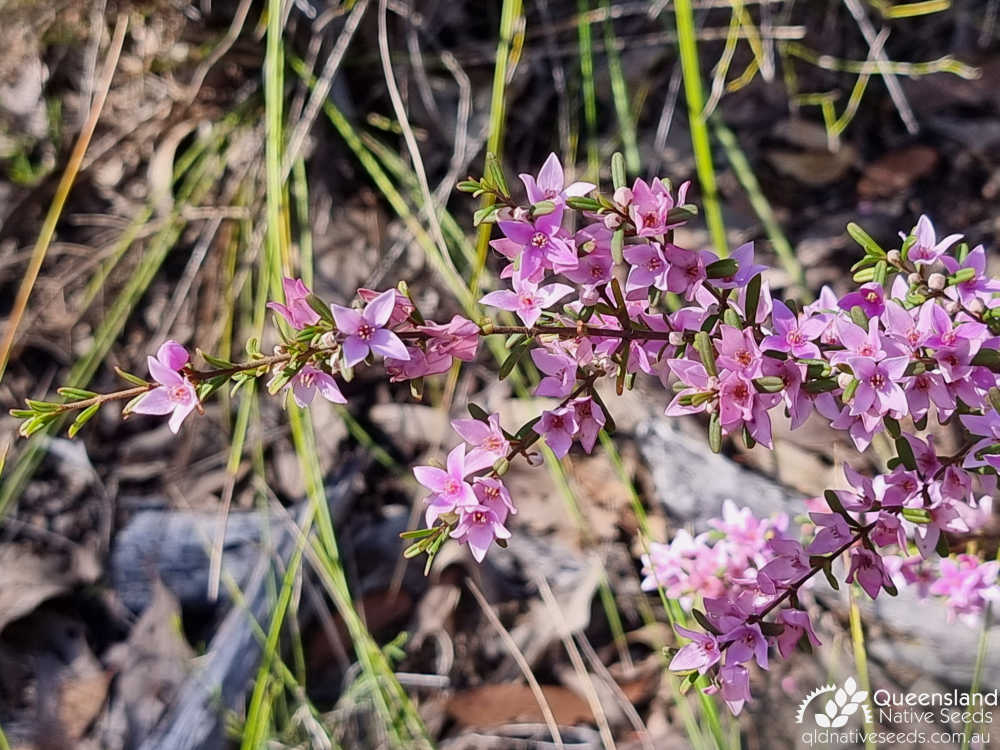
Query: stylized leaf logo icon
x=822 y=721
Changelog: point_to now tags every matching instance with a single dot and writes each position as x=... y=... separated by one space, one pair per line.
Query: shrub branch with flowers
x=615 y=297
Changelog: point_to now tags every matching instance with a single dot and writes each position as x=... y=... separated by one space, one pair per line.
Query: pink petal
x=179 y=415
x=173 y=355
x=163 y=374
x=456 y=461
x=377 y=311
x=329 y=390
x=504 y=299
x=355 y=350
x=430 y=477
x=348 y=320
x=157 y=401
x=550 y=176
x=387 y=344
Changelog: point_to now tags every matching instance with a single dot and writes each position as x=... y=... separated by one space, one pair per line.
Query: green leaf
x=715 y=433
x=905 y=453
x=618 y=177
x=703 y=620
x=722 y=269
x=942 y=547
x=217 y=362
x=129 y=377
x=486 y=214
x=753 y=298
x=417 y=533
x=769 y=384
x=859 y=317
x=78 y=394
x=988 y=358
x=320 y=307
x=468 y=186
x=917 y=515
x=580 y=203
x=680 y=214
x=516 y=355
x=823 y=385
x=703 y=345
x=870 y=246
x=543 y=208
x=478 y=412
x=82 y=419
x=494 y=172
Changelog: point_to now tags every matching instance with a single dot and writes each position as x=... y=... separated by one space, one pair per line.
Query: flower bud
x=844 y=379
x=952 y=307
x=937 y=281
x=612 y=221
x=521 y=214
x=893 y=257
x=676 y=338
x=623 y=196
x=976 y=306
x=914 y=278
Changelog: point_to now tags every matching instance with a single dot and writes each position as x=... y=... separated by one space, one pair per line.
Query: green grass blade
x=691 y=68
x=860 y=655
x=619 y=92
x=587 y=86
x=508 y=50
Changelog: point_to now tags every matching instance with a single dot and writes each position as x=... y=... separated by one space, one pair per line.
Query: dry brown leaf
x=492 y=705
x=27 y=581
x=813 y=168
x=896 y=171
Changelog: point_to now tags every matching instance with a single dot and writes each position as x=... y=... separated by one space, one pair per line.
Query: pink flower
x=796 y=624
x=834 y=533
x=478 y=527
x=792 y=335
x=528 y=299
x=494 y=495
x=558 y=426
x=867 y=568
x=650 y=207
x=869 y=297
x=548 y=186
x=401 y=310
x=486 y=438
x=308 y=380
x=747 y=642
x=746 y=269
x=589 y=419
x=734 y=685
x=560 y=372
x=458 y=338
x=700 y=654
x=649 y=267
x=296 y=309
x=878 y=386
x=176 y=394
x=366 y=332
x=420 y=363
x=738 y=352
x=449 y=490
x=925 y=248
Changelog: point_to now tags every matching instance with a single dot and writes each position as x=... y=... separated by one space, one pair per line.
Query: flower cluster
x=597 y=288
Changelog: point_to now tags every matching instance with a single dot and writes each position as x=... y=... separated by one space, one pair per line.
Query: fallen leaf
x=492 y=705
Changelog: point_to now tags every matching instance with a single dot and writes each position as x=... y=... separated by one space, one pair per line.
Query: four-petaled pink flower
x=700 y=654
x=549 y=185
x=296 y=310
x=868 y=570
x=486 y=438
x=308 y=381
x=458 y=338
x=449 y=490
x=558 y=426
x=528 y=299
x=365 y=330
x=478 y=527
x=176 y=394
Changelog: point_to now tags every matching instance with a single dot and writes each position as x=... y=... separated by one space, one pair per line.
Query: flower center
x=452 y=486
x=527 y=300
x=538 y=239
x=479 y=517
x=365 y=331
x=492 y=443
x=557 y=423
x=877 y=380
x=649 y=220
x=866 y=350
x=794 y=337
x=949 y=337
x=180 y=394
x=744 y=357
x=654 y=265
x=871 y=297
